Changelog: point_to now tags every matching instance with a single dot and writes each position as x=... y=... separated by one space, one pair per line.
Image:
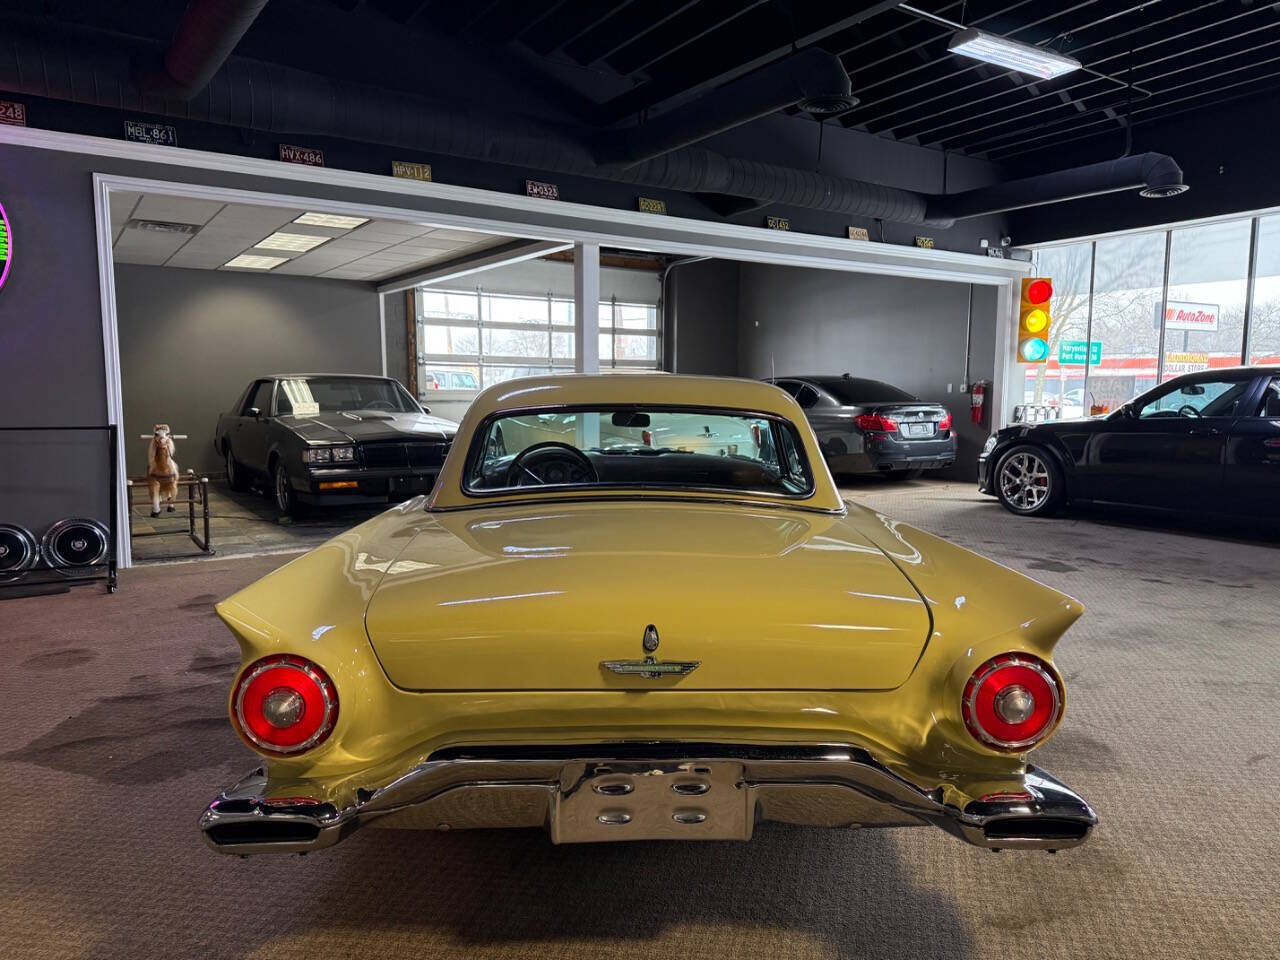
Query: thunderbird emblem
x=650 y=667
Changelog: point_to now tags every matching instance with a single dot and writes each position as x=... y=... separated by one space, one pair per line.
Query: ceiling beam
x=513 y=252
x=657 y=93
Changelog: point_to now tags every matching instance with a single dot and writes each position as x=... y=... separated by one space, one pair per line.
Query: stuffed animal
x=162 y=471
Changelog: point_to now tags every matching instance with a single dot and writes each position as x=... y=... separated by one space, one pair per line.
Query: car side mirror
x=255 y=412
x=425 y=408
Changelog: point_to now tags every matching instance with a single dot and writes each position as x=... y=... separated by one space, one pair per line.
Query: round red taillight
x=284 y=704
x=1012 y=701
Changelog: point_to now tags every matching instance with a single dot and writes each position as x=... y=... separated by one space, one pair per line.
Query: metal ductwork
x=813 y=78
x=206 y=35
x=281 y=100
x=1154 y=174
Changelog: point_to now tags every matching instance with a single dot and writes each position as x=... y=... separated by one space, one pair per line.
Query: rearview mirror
x=626 y=418
x=1192 y=390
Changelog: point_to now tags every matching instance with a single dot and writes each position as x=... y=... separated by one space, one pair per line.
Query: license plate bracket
x=651 y=800
x=918 y=429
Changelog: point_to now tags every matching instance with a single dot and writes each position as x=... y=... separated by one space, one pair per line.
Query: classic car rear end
x=548 y=644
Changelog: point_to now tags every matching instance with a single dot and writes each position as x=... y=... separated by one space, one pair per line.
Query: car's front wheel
x=236 y=478
x=1028 y=482
x=286 y=498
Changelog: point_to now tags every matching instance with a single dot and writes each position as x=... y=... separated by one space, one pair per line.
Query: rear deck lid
x=523 y=598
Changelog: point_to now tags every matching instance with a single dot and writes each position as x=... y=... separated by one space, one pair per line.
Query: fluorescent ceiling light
x=247 y=261
x=1003 y=52
x=298 y=242
x=331 y=220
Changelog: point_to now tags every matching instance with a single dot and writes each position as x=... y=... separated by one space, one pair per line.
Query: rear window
x=673 y=448
x=854 y=390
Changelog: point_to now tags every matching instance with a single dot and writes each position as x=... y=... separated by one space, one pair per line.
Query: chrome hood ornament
x=650 y=667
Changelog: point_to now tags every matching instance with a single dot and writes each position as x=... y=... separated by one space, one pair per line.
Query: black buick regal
x=1204 y=442
x=331 y=439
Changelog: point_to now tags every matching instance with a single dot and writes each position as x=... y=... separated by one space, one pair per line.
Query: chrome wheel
x=284 y=494
x=1024 y=482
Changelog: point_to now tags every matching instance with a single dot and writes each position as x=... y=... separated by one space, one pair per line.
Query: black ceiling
x=610 y=62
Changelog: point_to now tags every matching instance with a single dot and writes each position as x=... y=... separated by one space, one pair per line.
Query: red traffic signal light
x=1039 y=291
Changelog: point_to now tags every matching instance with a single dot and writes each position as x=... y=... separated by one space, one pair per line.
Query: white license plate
x=919 y=429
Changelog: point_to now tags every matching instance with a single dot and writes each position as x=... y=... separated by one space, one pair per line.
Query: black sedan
x=865 y=426
x=331 y=439
x=1207 y=442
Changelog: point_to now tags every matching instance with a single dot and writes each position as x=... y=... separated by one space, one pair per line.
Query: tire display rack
x=72 y=551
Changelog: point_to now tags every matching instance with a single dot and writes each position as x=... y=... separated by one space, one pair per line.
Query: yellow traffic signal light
x=1034 y=320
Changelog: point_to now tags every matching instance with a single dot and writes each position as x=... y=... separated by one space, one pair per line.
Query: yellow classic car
x=635 y=641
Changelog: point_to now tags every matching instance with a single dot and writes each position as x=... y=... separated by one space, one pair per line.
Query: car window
x=807 y=397
x=689 y=448
x=1201 y=398
x=1269 y=405
x=260 y=398
x=284 y=406
x=790 y=386
x=309 y=396
x=852 y=391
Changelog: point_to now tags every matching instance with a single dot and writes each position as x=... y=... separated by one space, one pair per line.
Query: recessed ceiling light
x=1011 y=54
x=247 y=261
x=331 y=220
x=299 y=242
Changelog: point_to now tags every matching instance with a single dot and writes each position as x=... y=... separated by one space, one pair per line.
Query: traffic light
x=1034 y=320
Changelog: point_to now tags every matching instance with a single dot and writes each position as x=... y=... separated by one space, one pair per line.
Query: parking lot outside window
x=1264 y=321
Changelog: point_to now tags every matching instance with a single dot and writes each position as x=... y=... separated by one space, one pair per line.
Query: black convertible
x=1207 y=442
x=324 y=438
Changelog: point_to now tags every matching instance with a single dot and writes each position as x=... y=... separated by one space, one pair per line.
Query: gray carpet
x=115 y=736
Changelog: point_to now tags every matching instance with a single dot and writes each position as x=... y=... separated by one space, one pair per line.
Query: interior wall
x=701 y=314
x=911 y=333
x=191 y=340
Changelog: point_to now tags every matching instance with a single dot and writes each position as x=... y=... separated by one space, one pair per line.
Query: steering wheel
x=550 y=463
x=1187 y=410
x=379 y=405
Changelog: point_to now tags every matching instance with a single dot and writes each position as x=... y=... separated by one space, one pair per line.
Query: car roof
x=643 y=389
x=306 y=376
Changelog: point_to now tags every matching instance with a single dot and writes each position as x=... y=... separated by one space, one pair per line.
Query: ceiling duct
x=281 y=100
x=1153 y=174
x=206 y=35
x=813 y=79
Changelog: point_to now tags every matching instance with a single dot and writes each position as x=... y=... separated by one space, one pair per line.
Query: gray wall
x=701 y=313
x=792 y=320
x=191 y=340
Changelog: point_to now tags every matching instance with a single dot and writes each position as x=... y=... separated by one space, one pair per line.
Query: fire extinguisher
x=978 y=401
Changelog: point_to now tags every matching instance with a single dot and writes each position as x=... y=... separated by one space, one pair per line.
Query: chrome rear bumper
x=654 y=791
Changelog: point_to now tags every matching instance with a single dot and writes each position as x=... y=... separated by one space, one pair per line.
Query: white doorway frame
x=485 y=211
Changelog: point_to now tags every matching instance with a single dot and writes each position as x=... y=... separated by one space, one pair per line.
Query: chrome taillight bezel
x=968 y=702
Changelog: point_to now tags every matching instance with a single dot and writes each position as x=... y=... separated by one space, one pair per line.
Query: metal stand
x=104 y=570
x=197 y=493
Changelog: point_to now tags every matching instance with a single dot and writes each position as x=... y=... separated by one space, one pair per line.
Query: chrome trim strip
x=791 y=783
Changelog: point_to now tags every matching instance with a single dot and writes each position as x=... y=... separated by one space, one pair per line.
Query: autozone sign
x=1190 y=316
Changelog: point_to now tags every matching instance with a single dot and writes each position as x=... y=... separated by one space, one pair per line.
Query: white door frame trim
x=497 y=213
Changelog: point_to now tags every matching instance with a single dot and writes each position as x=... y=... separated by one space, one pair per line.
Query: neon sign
x=6 y=245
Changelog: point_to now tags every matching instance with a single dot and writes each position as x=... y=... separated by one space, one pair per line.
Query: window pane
x=1264 y=325
x=516 y=343
x=491 y=375
x=1204 y=316
x=1128 y=277
x=562 y=346
x=1059 y=381
x=562 y=312
x=515 y=309
x=630 y=346
x=637 y=316
x=606 y=349
x=447 y=377
x=455 y=306
x=448 y=340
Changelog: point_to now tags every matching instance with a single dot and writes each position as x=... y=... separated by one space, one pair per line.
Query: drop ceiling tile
x=460 y=235
x=176 y=209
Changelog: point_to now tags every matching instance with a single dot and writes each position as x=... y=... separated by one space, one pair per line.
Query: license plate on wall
x=919 y=429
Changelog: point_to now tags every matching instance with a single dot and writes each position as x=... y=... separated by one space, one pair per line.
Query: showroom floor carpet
x=115 y=736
